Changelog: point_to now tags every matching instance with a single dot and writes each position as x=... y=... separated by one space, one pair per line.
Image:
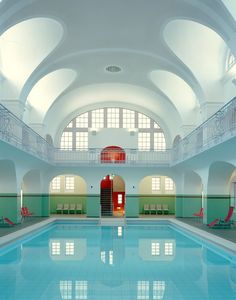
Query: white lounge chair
x=79 y=207
x=72 y=208
x=159 y=208
x=165 y=209
x=146 y=208
x=66 y=207
x=153 y=208
x=59 y=208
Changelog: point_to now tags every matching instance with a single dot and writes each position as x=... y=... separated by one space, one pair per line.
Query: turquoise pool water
x=74 y=261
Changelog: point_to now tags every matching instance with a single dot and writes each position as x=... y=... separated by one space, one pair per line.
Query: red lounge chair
x=200 y=214
x=226 y=223
x=6 y=222
x=25 y=212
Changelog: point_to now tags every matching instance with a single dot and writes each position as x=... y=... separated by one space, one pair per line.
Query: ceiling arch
x=26 y=45
x=179 y=92
x=110 y=94
x=202 y=50
x=47 y=89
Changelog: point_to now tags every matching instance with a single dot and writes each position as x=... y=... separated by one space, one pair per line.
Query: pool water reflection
x=131 y=262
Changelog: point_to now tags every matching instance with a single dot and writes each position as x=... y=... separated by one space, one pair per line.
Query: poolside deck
x=228 y=234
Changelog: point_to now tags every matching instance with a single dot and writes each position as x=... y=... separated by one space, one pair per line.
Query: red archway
x=113 y=154
x=112 y=196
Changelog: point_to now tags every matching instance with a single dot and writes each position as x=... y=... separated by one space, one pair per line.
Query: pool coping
x=216 y=240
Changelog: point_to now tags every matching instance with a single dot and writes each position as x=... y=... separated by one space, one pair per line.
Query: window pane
x=56 y=183
x=81 y=140
x=156 y=125
x=98 y=118
x=143 y=290
x=66 y=141
x=82 y=121
x=169 y=184
x=156 y=183
x=143 y=121
x=144 y=141
x=159 y=141
x=113 y=118
x=128 y=119
x=155 y=249
x=70 y=125
x=70 y=183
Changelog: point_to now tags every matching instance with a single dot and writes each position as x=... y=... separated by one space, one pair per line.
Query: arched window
x=150 y=135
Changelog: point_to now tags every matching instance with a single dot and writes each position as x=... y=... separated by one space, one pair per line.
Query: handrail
x=218 y=128
x=15 y=132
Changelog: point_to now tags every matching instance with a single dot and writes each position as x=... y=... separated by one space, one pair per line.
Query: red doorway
x=112 y=196
x=113 y=154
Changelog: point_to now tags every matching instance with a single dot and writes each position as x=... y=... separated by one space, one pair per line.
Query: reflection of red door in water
x=113 y=154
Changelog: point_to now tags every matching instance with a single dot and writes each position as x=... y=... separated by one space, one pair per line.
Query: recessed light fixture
x=113 y=69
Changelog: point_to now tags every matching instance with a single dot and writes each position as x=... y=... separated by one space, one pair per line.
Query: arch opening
x=112 y=196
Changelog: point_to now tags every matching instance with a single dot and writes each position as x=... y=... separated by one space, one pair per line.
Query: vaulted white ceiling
x=170 y=56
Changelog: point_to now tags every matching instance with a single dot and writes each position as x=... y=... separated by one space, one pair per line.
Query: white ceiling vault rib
x=171 y=55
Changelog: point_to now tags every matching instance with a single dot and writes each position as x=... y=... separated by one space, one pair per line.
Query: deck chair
x=72 y=208
x=5 y=222
x=146 y=208
x=66 y=207
x=25 y=213
x=225 y=223
x=153 y=208
x=59 y=208
x=165 y=209
x=159 y=208
x=79 y=207
x=200 y=214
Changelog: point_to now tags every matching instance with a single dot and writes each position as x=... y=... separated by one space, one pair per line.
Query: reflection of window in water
x=56 y=248
x=169 y=248
x=155 y=249
x=111 y=257
x=143 y=290
x=80 y=289
x=70 y=248
x=66 y=289
x=150 y=290
x=103 y=256
x=158 y=289
x=119 y=231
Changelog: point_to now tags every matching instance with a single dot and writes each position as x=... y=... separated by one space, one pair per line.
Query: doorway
x=112 y=196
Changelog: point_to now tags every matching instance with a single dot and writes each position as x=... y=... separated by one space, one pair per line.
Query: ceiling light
x=113 y=69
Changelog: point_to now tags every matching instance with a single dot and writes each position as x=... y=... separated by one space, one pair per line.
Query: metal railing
x=217 y=129
x=16 y=133
x=96 y=157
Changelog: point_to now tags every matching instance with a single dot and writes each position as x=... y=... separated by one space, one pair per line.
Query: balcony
x=217 y=129
x=133 y=157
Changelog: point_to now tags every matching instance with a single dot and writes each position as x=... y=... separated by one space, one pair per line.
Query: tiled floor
x=27 y=222
x=229 y=234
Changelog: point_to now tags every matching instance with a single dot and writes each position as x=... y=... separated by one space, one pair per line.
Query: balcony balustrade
x=217 y=129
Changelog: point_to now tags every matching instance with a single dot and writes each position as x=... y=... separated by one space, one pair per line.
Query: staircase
x=106 y=202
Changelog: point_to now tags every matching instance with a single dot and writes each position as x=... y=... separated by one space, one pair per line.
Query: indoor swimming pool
x=70 y=260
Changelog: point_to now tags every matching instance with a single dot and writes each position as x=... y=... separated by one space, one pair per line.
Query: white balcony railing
x=217 y=129
x=94 y=156
x=16 y=133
